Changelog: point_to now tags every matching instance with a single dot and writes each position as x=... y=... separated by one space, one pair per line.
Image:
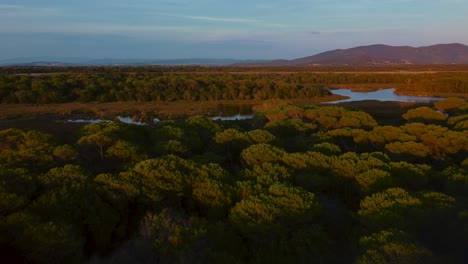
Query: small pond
x=381 y=95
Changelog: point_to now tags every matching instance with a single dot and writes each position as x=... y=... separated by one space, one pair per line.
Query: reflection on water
x=233 y=112
x=223 y=112
x=381 y=95
x=86 y=120
x=233 y=118
x=129 y=120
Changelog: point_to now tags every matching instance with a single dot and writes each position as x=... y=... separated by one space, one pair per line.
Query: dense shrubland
x=299 y=184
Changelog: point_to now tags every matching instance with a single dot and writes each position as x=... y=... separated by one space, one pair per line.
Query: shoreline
x=172 y=110
x=163 y=110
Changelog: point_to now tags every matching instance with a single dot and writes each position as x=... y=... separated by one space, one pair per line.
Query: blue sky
x=256 y=29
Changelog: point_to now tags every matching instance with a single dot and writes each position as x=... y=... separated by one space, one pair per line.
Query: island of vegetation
x=297 y=183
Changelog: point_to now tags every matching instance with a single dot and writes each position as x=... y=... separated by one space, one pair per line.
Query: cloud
x=9 y=6
x=19 y=11
x=210 y=18
x=220 y=19
x=90 y=28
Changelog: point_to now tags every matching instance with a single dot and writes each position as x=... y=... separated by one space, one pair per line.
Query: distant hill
x=386 y=55
x=56 y=61
x=359 y=56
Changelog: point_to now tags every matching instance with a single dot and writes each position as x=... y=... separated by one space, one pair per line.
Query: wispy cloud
x=90 y=28
x=16 y=11
x=210 y=18
x=233 y=20
x=9 y=6
x=181 y=34
x=219 y=19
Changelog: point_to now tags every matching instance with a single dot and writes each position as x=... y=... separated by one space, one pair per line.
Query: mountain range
x=72 y=61
x=378 y=54
x=386 y=55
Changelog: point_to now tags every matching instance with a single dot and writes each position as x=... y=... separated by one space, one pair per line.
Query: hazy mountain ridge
x=377 y=54
x=380 y=54
x=54 y=61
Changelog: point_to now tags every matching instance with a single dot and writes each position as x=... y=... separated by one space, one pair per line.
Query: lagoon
x=381 y=95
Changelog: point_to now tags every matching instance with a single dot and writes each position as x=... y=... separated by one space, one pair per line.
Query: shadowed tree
x=40 y=240
x=408 y=149
x=456 y=180
x=63 y=176
x=452 y=105
x=327 y=148
x=374 y=180
x=282 y=202
x=17 y=187
x=260 y=153
x=102 y=135
x=390 y=208
x=381 y=135
x=267 y=174
x=459 y=122
x=181 y=238
x=166 y=175
x=30 y=149
x=65 y=153
x=258 y=136
x=280 y=225
x=392 y=246
x=233 y=142
x=125 y=151
x=92 y=218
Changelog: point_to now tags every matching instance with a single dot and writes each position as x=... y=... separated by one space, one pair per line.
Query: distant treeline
x=118 y=86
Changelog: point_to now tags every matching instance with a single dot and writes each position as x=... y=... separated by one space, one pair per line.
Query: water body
x=232 y=118
x=381 y=95
x=232 y=112
x=86 y=120
x=129 y=120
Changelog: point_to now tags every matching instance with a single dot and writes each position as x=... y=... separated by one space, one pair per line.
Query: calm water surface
x=233 y=118
x=234 y=112
x=381 y=95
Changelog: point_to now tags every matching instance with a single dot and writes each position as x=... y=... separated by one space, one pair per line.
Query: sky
x=240 y=29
